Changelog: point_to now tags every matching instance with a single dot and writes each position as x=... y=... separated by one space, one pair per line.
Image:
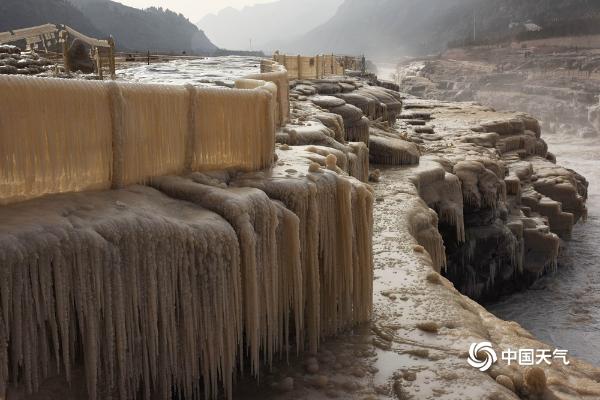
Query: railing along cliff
x=316 y=67
x=70 y=135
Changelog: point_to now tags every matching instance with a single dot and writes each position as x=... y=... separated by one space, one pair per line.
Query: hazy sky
x=193 y=9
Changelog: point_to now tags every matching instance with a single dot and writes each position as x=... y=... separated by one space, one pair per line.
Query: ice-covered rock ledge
x=501 y=223
x=481 y=185
x=460 y=190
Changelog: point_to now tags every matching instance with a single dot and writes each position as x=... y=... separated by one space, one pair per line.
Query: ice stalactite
x=300 y=197
x=335 y=240
x=353 y=157
x=541 y=247
x=423 y=226
x=334 y=122
x=233 y=146
x=481 y=187
x=362 y=254
x=279 y=78
x=358 y=161
x=375 y=102
x=489 y=256
x=450 y=208
x=372 y=108
x=255 y=218
x=356 y=125
x=442 y=191
x=290 y=277
x=358 y=131
x=155 y=130
x=391 y=100
x=149 y=288
x=516 y=226
x=513 y=186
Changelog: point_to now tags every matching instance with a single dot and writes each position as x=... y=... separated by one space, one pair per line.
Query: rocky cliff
x=426 y=27
x=558 y=85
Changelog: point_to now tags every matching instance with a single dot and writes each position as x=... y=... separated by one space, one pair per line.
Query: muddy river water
x=563 y=309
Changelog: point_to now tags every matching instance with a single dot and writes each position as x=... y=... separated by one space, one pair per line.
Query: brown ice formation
x=449 y=201
x=257 y=239
x=148 y=292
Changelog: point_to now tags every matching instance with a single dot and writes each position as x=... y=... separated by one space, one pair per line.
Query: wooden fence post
x=332 y=64
x=317 y=67
x=98 y=57
x=64 y=35
x=111 y=58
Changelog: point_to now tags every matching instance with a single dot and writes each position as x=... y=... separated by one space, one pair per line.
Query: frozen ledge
x=453 y=177
x=482 y=177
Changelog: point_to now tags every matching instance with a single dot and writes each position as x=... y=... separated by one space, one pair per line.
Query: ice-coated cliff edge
x=301 y=256
x=470 y=193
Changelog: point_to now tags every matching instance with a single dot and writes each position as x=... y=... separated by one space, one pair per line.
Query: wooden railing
x=317 y=67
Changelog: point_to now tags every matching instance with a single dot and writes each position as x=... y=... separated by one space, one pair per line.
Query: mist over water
x=563 y=309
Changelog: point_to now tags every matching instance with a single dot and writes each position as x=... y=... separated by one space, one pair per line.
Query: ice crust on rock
x=300 y=244
x=147 y=289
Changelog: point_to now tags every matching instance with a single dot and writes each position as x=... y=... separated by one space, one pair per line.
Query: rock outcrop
x=14 y=61
x=552 y=84
x=79 y=58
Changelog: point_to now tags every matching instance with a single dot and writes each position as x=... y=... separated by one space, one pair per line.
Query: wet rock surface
x=79 y=57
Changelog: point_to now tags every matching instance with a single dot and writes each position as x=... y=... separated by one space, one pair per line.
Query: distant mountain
x=15 y=14
x=266 y=24
x=154 y=29
x=412 y=27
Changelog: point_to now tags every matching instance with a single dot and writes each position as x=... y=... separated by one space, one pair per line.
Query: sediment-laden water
x=563 y=309
x=221 y=71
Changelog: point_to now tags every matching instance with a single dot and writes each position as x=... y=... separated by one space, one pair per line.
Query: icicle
x=148 y=287
x=256 y=219
x=423 y=226
x=336 y=264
